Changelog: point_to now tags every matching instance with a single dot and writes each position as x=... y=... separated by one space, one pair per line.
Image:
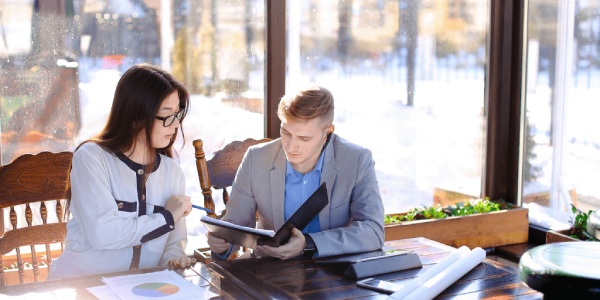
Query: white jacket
x=105 y=225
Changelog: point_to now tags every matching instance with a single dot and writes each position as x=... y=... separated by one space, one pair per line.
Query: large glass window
x=408 y=78
x=60 y=62
x=408 y=82
x=561 y=162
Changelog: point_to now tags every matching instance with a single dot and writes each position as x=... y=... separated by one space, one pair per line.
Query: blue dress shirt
x=298 y=188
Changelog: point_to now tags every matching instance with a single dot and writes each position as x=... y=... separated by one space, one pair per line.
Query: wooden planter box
x=559 y=236
x=492 y=229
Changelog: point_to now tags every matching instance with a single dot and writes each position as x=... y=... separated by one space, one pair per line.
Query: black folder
x=250 y=237
x=372 y=263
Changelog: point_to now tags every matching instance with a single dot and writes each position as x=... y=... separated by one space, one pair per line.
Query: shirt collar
x=135 y=166
x=319 y=167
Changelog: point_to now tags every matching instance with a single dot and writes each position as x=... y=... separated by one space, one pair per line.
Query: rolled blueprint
x=438 y=283
x=413 y=284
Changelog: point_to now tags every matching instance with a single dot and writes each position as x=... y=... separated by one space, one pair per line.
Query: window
x=408 y=82
x=409 y=78
x=60 y=65
x=561 y=162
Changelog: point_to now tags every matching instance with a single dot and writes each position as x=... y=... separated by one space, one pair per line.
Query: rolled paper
x=413 y=284
x=437 y=284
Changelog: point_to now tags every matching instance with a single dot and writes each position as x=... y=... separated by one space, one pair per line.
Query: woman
x=127 y=193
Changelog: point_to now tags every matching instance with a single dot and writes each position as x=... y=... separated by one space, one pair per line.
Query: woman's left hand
x=182 y=263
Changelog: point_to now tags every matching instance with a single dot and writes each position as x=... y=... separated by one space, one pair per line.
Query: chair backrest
x=219 y=172
x=30 y=187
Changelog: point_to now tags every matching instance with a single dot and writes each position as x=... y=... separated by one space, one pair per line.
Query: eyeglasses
x=167 y=121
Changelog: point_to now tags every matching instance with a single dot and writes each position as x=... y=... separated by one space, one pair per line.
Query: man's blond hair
x=307 y=104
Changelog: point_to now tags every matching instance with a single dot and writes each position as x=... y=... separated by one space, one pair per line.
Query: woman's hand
x=179 y=206
x=182 y=263
x=292 y=248
x=216 y=244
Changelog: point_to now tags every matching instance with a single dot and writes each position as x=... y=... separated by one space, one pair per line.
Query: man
x=275 y=178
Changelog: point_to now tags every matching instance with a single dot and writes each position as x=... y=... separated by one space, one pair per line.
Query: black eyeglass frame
x=177 y=115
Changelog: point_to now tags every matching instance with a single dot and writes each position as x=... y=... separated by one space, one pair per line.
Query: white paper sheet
x=103 y=292
x=442 y=275
x=163 y=284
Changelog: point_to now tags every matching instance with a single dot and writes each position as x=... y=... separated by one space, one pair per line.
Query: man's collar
x=318 y=167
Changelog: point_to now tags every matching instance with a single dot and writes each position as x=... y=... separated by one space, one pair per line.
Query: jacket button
x=140 y=171
x=120 y=205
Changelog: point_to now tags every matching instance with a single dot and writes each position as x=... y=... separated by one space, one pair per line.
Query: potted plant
x=577 y=232
x=477 y=223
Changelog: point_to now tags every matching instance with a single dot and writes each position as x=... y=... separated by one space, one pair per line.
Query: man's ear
x=330 y=129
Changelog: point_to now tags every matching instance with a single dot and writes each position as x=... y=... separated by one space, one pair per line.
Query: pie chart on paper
x=155 y=289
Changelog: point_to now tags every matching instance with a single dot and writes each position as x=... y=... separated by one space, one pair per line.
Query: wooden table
x=268 y=278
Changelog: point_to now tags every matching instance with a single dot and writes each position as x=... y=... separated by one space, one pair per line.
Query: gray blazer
x=353 y=220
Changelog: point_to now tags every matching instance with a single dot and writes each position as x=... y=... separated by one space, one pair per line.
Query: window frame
x=504 y=100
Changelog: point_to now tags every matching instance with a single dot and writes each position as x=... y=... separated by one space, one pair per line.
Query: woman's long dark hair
x=138 y=96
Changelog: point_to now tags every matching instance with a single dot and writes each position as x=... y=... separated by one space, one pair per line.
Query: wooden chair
x=219 y=172
x=32 y=179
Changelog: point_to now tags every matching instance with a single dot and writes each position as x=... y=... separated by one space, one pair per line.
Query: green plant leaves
x=477 y=206
x=579 y=228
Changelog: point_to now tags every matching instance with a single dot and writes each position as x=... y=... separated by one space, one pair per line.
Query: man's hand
x=216 y=244
x=292 y=248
